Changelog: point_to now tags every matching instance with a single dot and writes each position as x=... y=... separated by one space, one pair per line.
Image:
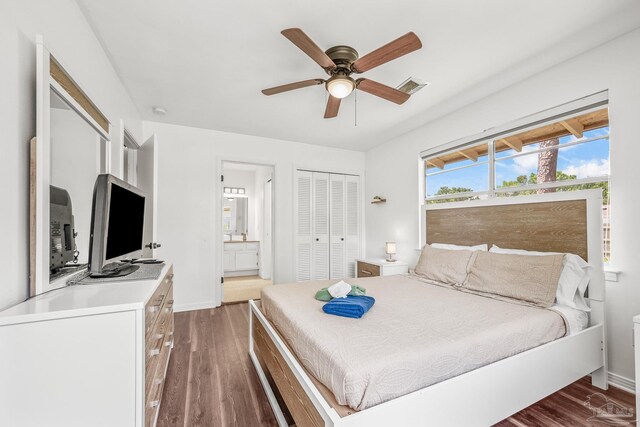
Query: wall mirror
x=70 y=149
x=235 y=211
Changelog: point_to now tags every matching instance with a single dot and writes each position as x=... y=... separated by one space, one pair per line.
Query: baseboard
x=621 y=382
x=193 y=306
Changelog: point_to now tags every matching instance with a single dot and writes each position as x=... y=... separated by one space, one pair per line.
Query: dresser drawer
x=159 y=341
x=155 y=377
x=152 y=404
x=365 y=269
x=154 y=306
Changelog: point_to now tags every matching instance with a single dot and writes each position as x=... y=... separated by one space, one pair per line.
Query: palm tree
x=548 y=164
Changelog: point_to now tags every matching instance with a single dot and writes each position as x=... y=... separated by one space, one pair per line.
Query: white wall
x=189 y=186
x=69 y=37
x=392 y=169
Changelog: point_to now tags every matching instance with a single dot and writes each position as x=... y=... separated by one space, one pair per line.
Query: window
x=565 y=154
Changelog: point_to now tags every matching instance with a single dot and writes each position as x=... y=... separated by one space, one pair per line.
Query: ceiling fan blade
x=300 y=39
x=292 y=86
x=390 y=51
x=333 y=105
x=383 y=91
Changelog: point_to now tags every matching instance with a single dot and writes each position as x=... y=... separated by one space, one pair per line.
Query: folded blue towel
x=351 y=306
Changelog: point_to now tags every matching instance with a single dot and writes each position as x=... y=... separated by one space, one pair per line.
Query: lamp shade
x=390 y=248
x=340 y=86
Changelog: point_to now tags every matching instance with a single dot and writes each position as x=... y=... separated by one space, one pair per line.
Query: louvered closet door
x=320 y=203
x=304 y=226
x=352 y=223
x=338 y=267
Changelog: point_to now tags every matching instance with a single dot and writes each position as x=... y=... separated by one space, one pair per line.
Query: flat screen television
x=117 y=225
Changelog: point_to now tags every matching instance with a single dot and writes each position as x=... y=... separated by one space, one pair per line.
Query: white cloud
x=523 y=165
x=596 y=167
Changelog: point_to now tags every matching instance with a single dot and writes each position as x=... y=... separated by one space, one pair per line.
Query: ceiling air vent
x=412 y=85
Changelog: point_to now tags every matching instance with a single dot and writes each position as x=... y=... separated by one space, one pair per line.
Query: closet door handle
x=342 y=239
x=317 y=239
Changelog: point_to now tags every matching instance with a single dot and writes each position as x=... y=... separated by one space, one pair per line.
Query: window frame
x=581 y=106
x=565 y=111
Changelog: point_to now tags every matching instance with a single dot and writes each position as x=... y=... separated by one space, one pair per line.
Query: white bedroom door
x=320 y=194
x=337 y=267
x=147 y=180
x=265 y=262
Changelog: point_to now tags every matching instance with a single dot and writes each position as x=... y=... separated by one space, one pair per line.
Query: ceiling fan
x=339 y=62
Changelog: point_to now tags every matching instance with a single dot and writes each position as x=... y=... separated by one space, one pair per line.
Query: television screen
x=126 y=222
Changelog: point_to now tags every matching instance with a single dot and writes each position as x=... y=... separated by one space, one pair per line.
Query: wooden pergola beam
x=470 y=154
x=439 y=163
x=574 y=126
x=512 y=142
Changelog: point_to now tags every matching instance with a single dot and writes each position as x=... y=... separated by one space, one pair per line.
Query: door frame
x=219 y=232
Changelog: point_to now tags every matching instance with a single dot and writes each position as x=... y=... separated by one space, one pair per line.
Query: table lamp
x=390 y=249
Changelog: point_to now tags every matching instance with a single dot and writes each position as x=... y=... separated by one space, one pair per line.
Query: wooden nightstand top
x=381 y=262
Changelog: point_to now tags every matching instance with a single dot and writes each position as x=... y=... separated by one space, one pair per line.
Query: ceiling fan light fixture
x=340 y=86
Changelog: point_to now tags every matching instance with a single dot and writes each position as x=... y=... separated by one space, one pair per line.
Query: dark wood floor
x=212 y=382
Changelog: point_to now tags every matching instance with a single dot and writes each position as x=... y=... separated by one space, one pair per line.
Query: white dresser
x=241 y=258
x=87 y=355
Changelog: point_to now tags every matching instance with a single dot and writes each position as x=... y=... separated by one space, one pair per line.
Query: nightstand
x=379 y=267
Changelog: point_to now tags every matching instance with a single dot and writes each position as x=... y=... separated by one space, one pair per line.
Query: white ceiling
x=206 y=61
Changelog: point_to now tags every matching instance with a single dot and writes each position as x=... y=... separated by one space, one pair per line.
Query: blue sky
x=584 y=160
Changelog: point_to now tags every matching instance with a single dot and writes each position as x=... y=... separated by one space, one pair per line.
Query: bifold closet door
x=327 y=225
x=320 y=198
x=304 y=226
x=337 y=268
x=352 y=223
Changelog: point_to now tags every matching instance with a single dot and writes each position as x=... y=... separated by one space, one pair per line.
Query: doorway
x=247 y=224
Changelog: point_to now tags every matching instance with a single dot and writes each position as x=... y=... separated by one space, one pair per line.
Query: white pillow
x=482 y=248
x=574 y=278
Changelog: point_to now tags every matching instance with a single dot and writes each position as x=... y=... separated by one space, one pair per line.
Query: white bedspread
x=416 y=334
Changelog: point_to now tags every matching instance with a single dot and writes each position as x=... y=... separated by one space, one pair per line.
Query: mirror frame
x=50 y=75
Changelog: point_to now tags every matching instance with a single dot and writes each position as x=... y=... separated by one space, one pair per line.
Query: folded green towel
x=324 y=295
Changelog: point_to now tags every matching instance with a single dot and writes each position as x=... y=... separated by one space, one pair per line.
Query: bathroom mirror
x=235 y=212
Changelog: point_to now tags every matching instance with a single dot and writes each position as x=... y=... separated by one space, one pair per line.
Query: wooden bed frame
x=562 y=222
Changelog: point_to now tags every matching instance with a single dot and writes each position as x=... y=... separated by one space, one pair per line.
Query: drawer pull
x=158 y=336
x=168 y=344
x=154 y=308
x=154 y=352
x=368 y=273
x=154 y=403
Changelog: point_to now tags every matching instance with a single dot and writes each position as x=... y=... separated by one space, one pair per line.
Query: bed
x=495 y=359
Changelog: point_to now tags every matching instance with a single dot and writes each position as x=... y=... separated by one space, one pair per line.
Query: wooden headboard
x=555 y=222
x=554 y=226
